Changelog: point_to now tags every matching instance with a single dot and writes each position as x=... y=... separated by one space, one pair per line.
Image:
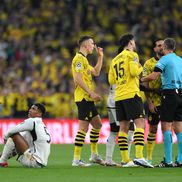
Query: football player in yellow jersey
x=124 y=72
x=153 y=99
x=84 y=97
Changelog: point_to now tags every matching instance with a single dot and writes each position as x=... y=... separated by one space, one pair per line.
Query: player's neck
x=83 y=52
x=128 y=49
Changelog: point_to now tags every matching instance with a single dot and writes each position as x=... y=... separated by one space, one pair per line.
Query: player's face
x=133 y=45
x=159 y=47
x=34 y=112
x=164 y=49
x=90 y=45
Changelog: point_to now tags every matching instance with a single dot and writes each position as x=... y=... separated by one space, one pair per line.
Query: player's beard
x=160 y=53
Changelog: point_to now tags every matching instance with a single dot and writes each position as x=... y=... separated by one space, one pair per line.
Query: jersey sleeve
x=26 y=125
x=161 y=64
x=135 y=68
x=145 y=69
x=78 y=65
x=111 y=76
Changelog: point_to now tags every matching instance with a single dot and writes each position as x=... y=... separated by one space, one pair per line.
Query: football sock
x=168 y=146
x=139 y=142
x=79 y=141
x=179 y=157
x=123 y=146
x=94 y=137
x=7 y=150
x=150 y=145
x=130 y=140
x=110 y=144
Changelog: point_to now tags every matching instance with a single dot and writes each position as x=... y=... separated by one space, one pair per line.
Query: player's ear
x=39 y=114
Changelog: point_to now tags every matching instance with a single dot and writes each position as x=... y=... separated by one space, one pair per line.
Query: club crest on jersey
x=78 y=66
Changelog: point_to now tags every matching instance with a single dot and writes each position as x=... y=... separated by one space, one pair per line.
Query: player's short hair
x=83 y=39
x=170 y=44
x=124 y=40
x=41 y=108
x=156 y=40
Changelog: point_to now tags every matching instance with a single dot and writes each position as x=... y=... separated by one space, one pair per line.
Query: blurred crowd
x=38 y=39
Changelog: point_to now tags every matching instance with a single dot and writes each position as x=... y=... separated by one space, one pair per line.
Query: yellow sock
x=77 y=152
x=94 y=148
x=79 y=140
x=94 y=137
x=139 y=142
x=150 y=145
x=123 y=146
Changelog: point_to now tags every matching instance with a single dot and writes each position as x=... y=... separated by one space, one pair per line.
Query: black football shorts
x=129 y=109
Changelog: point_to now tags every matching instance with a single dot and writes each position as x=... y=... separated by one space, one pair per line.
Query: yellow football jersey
x=124 y=72
x=148 y=68
x=80 y=64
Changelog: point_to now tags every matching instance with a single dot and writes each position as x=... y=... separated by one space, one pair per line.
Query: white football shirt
x=37 y=136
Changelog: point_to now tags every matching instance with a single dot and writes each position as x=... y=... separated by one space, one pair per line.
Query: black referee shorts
x=171 y=105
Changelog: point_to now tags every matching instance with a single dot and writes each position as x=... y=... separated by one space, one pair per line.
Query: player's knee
x=16 y=136
x=99 y=125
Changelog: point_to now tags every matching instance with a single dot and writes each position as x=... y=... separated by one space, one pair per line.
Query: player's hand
x=152 y=108
x=99 y=51
x=5 y=141
x=96 y=97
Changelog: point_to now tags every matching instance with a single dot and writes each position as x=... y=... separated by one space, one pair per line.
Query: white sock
x=110 y=144
x=7 y=150
x=130 y=140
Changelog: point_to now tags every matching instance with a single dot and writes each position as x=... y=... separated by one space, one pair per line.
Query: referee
x=169 y=67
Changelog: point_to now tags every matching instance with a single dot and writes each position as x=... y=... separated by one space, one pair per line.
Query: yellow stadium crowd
x=38 y=40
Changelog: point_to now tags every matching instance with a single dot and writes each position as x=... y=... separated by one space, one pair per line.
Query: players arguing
x=124 y=72
x=169 y=68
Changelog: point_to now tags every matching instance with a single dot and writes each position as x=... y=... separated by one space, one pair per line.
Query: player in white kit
x=29 y=139
x=114 y=129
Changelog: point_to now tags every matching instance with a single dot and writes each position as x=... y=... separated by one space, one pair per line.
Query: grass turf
x=60 y=169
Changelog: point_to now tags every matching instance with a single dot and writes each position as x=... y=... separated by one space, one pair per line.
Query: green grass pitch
x=60 y=169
